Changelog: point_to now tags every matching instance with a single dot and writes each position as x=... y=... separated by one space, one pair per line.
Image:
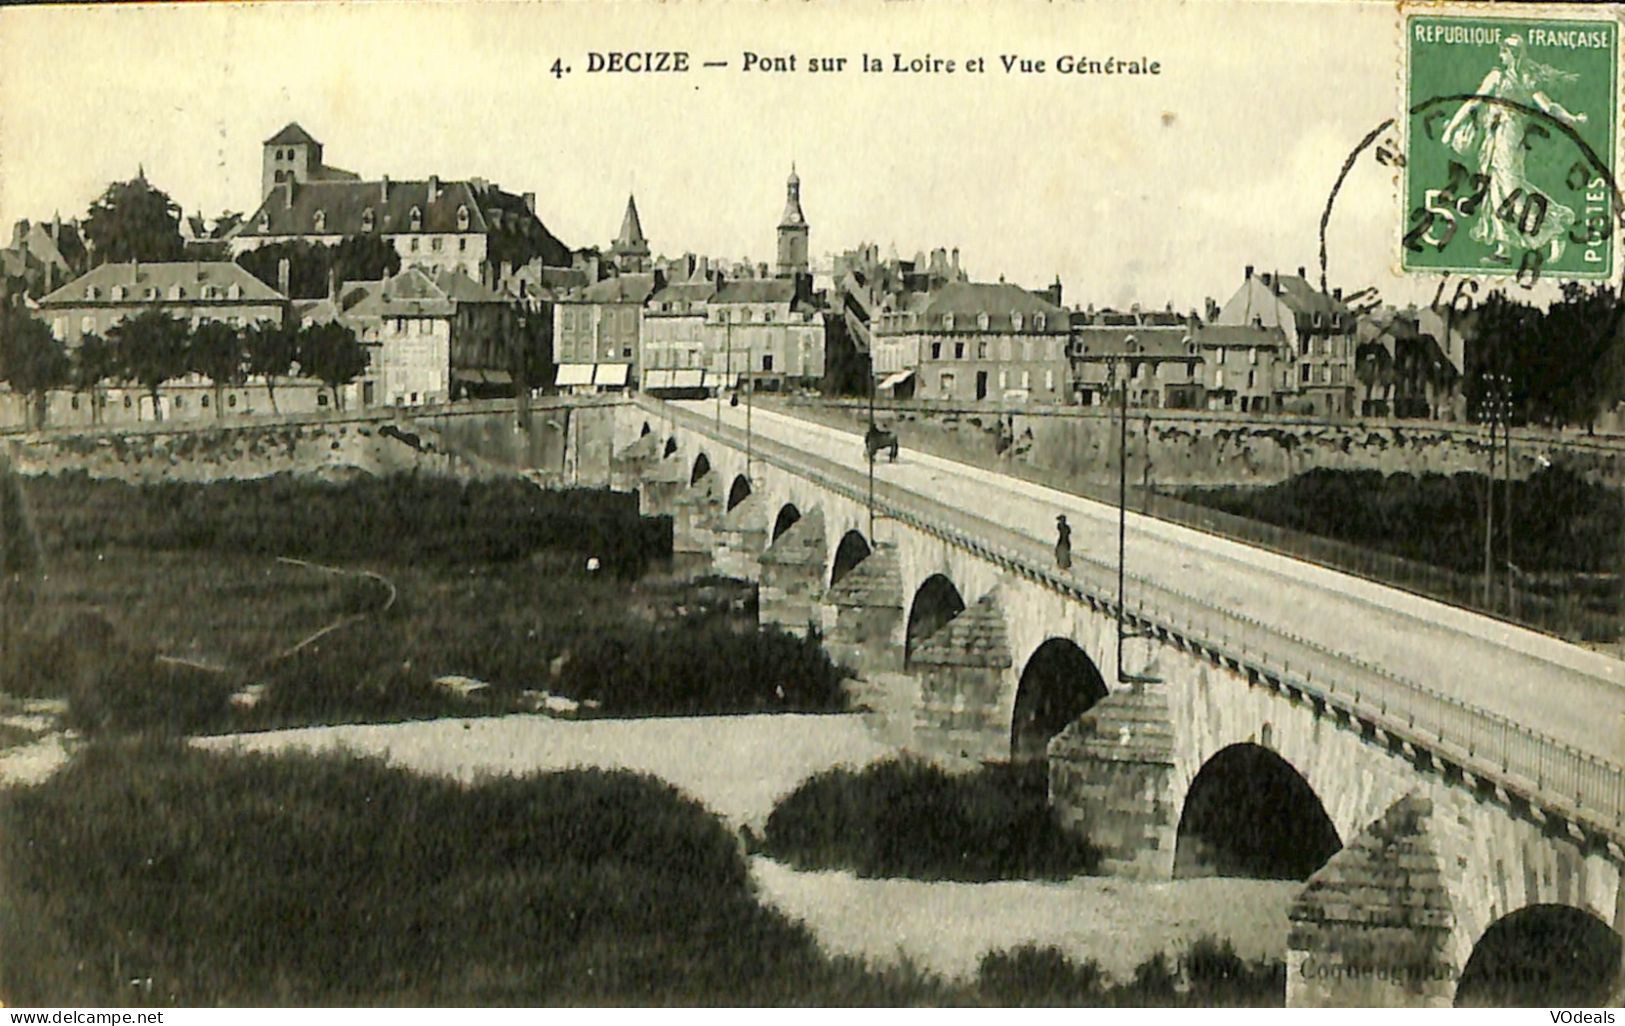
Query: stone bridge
x=1441 y=845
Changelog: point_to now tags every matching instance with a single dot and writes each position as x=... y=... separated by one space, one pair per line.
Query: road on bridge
x=1542 y=683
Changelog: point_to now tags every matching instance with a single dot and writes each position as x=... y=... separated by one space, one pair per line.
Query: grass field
x=490 y=579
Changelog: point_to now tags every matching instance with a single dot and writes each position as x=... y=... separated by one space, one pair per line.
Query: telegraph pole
x=1123 y=676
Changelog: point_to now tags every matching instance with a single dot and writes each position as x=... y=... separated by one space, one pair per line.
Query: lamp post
x=1123 y=676
x=1494 y=410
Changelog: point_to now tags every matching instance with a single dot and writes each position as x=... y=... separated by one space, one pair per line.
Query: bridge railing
x=1534 y=766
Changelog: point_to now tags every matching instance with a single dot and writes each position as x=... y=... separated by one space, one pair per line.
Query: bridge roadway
x=1537 y=682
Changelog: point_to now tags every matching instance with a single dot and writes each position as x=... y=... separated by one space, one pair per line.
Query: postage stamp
x=1512 y=140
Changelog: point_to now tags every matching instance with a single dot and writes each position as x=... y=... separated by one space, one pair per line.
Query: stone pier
x=792 y=578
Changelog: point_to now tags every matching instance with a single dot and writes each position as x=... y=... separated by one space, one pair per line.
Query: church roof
x=292 y=135
x=631 y=239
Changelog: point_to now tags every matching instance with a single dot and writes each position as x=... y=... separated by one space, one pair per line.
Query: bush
x=1038 y=977
x=1219 y=976
x=908 y=818
x=323 y=879
x=1213 y=973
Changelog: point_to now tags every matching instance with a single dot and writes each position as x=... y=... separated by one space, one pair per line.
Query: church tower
x=292 y=155
x=630 y=250
x=793 y=231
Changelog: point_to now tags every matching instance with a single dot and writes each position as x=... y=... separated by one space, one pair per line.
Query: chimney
x=955 y=258
x=283 y=272
x=1337 y=293
x=383 y=189
x=530 y=202
x=1302 y=275
x=332 y=286
x=1249 y=272
x=434 y=188
x=56 y=227
x=19 y=232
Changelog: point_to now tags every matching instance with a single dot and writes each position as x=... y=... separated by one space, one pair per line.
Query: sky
x=1149 y=189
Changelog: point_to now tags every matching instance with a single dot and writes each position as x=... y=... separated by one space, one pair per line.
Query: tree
x=331 y=354
x=1563 y=362
x=365 y=258
x=93 y=363
x=216 y=352
x=313 y=265
x=152 y=347
x=272 y=349
x=134 y=221
x=32 y=360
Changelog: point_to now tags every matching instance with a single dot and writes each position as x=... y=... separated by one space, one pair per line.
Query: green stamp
x=1511 y=145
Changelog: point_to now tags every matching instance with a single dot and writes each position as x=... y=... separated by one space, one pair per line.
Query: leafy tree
x=312 y=264
x=216 y=352
x=94 y=362
x=365 y=258
x=32 y=359
x=1564 y=362
x=152 y=347
x=331 y=354
x=134 y=221
x=272 y=350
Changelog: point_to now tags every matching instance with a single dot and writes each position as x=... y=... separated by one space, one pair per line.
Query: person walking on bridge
x=1063 y=543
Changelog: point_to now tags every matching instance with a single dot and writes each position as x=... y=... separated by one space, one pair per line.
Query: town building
x=1245 y=367
x=1404 y=365
x=968 y=341
x=769 y=331
x=1156 y=355
x=597 y=331
x=471 y=227
x=676 y=327
x=192 y=291
x=44 y=255
x=1319 y=329
x=430 y=337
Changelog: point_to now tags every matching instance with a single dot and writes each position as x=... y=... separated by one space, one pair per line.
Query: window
x=127 y=403
x=1218 y=378
x=60 y=327
x=1305 y=373
x=1026 y=379
x=947 y=382
x=462 y=218
x=231 y=399
x=92 y=292
x=936 y=350
x=1004 y=379
x=400 y=325
x=767 y=361
x=118 y=292
x=1252 y=356
x=180 y=402
x=981 y=350
x=366 y=220
x=415 y=220
x=87 y=324
x=74 y=402
x=462 y=245
x=1026 y=352
x=767 y=316
x=948 y=322
x=1038 y=322
x=1004 y=350
x=265 y=222
x=1015 y=320
x=321 y=399
x=435 y=242
x=413 y=245
x=152 y=292
x=320 y=223
x=959 y=350
x=204 y=402
x=1252 y=379
x=235 y=291
x=982 y=320
x=1049 y=380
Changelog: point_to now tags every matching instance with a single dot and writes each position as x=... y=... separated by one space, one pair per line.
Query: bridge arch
x=1059 y=683
x=702 y=467
x=1542 y=955
x=935 y=602
x=671 y=446
x=739 y=491
x=1249 y=812
x=788 y=515
x=852 y=550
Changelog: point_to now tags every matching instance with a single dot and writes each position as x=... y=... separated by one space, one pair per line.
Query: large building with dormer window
x=468 y=227
x=767 y=330
x=971 y=341
x=1320 y=331
x=191 y=291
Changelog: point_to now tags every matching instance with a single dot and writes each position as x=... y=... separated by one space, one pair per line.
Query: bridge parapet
x=1520 y=766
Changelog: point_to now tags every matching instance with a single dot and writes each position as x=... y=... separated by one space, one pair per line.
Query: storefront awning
x=482 y=377
x=574 y=374
x=693 y=378
x=893 y=380
x=657 y=378
x=613 y=374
